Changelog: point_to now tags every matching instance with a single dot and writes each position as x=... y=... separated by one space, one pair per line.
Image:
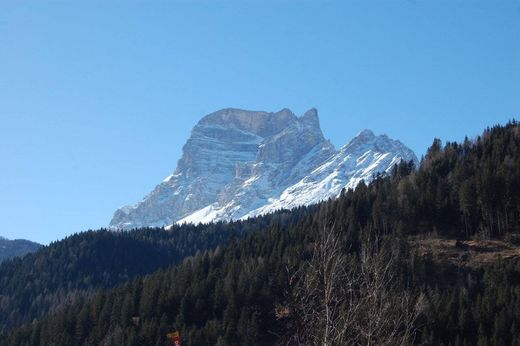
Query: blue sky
x=98 y=97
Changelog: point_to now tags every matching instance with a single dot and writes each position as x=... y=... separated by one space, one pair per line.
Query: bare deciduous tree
x=340 y=299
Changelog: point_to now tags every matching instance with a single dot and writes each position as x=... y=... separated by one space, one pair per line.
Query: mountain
x=242 y=283
x=239 y=164
x=15 y=248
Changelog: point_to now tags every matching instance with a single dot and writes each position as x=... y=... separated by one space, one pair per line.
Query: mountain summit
x=238 y=164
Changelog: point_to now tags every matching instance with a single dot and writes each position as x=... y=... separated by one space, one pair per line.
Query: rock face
x=238 y=164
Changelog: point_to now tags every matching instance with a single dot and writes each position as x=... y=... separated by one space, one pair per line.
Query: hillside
x=81 y=264
x=466 y=253
x=16 y=248
x=247 y=288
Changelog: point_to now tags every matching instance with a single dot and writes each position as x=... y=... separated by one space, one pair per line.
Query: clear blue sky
x=98 y=97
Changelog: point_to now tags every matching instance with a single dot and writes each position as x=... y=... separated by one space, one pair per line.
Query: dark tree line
x=81 y=264
x=224 y=296
x=232 y=296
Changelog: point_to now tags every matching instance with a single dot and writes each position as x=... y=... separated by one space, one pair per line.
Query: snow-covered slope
x=360 y=159
x=238 y=164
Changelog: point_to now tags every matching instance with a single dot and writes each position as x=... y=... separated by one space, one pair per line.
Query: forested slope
x=80 y=264
x=16 y=248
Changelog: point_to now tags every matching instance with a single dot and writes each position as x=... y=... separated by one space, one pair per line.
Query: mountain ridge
x=239 y=163
x=16 y=248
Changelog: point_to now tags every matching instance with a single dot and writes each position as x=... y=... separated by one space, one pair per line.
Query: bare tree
x=340 y=299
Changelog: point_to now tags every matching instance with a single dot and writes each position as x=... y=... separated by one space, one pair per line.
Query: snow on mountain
x=359 y=160
x=237 y=164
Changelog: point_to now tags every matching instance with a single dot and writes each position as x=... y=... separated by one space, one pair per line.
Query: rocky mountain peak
x=363 y=136
x=310 y=118
x=260 y=123
x=239 y=163
x=367 y=139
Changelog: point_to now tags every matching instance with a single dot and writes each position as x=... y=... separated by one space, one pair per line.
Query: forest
x=340 y=272
x=83 y=263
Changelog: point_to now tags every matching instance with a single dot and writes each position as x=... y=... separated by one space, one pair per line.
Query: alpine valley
x=239 y=164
